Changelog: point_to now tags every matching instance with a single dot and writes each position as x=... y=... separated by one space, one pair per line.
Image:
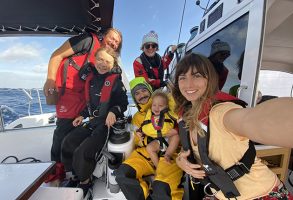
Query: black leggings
x=64 y=126
x=79 y=149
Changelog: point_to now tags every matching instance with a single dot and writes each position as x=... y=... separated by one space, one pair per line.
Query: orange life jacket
x=71 y=99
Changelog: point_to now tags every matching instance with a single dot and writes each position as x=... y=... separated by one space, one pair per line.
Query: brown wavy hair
x=191 y=110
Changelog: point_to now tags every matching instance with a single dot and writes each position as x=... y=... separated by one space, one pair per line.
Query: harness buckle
x=193 y=182
x=243 y=167
x=96 y=113
x=237 y=171
x=206 y=192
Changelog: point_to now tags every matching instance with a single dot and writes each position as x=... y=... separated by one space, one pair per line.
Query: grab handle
x=241 y=87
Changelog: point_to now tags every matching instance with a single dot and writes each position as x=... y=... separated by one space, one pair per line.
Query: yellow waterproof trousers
x=166 y=185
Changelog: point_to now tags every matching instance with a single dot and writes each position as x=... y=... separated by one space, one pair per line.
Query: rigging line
x=206 y=7
x=181 y=22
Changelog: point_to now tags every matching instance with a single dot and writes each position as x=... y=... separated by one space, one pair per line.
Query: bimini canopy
x=278 y=40
x=43 y=17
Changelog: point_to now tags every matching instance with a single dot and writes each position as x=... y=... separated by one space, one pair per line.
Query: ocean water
x=15 y=103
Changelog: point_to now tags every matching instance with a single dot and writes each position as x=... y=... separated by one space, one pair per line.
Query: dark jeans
x=64 y=126
x=79 y=149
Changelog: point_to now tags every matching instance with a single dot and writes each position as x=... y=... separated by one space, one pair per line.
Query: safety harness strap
x=66 y=64
x=244 y=165
x=159 y=127
x=217 y=177
x=106 y=92
x=215 y=173
x=145 y=122
x=70 y=62
x=73 y=63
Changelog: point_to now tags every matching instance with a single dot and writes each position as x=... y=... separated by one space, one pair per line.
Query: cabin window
x=215 y=15
x=233 y=35
x=202 y=25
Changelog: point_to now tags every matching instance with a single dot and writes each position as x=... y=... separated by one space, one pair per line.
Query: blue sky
x=23 y=60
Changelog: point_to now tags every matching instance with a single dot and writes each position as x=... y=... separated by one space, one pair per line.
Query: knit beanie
x=138 y=87
x=218 y=46
x=151 y=37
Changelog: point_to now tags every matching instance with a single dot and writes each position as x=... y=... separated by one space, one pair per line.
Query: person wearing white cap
x=150 y=64
x=220 y=51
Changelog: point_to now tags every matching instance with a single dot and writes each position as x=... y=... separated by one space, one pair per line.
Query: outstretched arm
x=58 y=55
x=269 y=123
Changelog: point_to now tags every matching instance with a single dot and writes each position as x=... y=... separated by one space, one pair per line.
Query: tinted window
x=230 y=41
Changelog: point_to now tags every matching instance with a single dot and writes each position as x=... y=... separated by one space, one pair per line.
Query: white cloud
x=21 y=80
x=21 y=52
x=41 y=68
x=8 y=39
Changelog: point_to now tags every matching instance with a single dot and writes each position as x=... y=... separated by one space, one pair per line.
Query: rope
x=119 y=131
x=181 y=22
x=21 y=160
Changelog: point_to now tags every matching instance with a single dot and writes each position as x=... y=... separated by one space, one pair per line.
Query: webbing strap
x=160 y=125
x=215 y=173
x=105 y=94
x=73 y=63
x=244 y=165
x=66 y=64
x=76 y=66
x=70 y=61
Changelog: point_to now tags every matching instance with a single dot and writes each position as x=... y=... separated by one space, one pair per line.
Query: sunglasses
x=148 y=46
x=225 y=54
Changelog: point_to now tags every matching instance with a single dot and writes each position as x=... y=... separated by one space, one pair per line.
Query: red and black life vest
x=217 y=178
x=71 y=99
x=103 y=106
x=149 y=68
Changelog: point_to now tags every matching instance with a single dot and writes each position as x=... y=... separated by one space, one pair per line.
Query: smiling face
x=142 y=96
x=195 y=80
x=150 y=49
x=112 y=39
x=159 y=103
x=192 y=85
x=104 y=62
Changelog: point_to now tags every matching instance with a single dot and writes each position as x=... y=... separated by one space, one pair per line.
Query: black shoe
x=85 y=187
x=69 y=183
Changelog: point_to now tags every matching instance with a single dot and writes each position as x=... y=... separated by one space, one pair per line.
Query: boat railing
x=28 y=93
x=30 y=98
x=1 y=120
